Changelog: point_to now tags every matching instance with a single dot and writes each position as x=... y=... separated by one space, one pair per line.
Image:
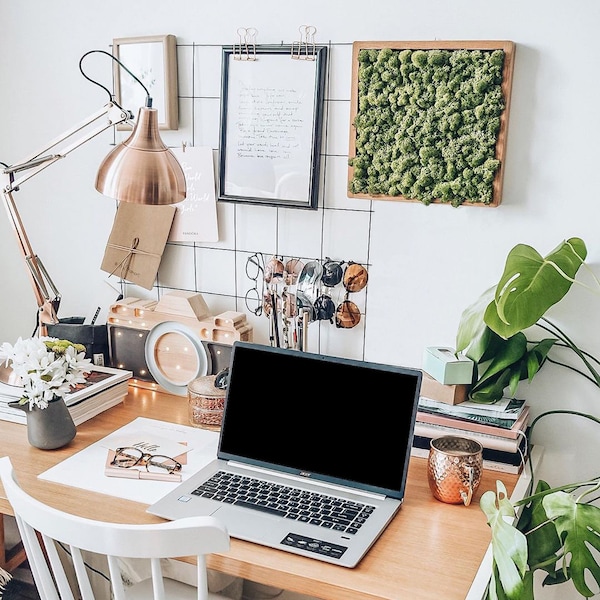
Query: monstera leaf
x=554 y=533
x=491 y=330
x=578 y=526
x=473 y=334
x=509 y=547
x=531 y=284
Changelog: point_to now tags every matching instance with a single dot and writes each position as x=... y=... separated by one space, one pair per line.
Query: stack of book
x=104 y=387
x=500 y=428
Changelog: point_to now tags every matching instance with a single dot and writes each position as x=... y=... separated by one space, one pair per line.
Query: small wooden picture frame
x=428 y=121
x=153 y=60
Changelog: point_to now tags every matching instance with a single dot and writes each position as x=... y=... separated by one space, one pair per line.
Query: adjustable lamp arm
x=141 y=169
x=39 y=161
x=31 y=166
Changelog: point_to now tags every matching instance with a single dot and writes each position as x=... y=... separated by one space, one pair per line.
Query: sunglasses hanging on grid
x=292 y=294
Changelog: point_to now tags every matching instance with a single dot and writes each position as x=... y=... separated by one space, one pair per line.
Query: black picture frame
x=272 y=103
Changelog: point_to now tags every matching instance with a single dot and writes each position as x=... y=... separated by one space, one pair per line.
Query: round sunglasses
x=347 y=314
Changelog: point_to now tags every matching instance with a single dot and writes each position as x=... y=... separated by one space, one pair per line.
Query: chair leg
x=10 y=558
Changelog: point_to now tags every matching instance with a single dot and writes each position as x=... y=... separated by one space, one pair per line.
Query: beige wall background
x=426 y=264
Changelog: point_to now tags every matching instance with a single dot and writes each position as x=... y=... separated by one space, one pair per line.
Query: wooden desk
x=430 y=549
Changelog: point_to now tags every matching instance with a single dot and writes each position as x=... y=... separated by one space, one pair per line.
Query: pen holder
x=93 y=337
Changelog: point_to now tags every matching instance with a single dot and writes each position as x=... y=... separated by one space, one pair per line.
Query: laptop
x=313 y=453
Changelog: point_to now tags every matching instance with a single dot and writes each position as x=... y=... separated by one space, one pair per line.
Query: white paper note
x=86 y=468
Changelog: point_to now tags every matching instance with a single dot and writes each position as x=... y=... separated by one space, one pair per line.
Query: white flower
x=48 y=367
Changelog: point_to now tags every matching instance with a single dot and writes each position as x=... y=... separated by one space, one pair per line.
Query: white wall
x=426 y=263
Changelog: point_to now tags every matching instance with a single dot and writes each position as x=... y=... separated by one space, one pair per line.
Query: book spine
x=79 y=412
x=467 y=425
x=471 y=417
x=483 y=410
x=490 y=465
x=82 y=417
x=14 y=415
x=508 y=458
x=431 y=431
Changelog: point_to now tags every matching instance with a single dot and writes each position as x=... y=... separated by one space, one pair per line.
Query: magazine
x=98 y=379
x=104 y=387
x=505 y=408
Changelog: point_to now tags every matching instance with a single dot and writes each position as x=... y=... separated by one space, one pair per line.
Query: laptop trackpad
x=243 y=523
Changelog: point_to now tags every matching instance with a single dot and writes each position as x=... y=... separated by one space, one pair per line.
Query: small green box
x=446 y=367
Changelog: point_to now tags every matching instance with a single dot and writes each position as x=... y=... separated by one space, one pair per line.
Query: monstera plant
x=555 y=530
x=491 y=331
x=557 y=533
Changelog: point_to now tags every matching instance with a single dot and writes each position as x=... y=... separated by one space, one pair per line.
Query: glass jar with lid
x=206 y=400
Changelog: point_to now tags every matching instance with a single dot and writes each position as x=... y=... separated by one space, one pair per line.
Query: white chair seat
x=46 y=530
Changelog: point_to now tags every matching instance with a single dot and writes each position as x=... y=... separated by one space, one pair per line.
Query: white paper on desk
x=86 y=468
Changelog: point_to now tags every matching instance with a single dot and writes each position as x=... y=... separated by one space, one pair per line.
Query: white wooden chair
x=195 y=536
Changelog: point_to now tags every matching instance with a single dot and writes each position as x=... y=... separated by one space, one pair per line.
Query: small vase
x=48 y=428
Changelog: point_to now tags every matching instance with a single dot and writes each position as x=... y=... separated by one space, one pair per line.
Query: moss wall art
x=429 y=121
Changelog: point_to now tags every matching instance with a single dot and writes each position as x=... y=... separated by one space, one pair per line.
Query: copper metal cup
x=454 y=469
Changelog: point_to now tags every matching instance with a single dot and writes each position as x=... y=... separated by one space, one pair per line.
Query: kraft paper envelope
x=137 y=241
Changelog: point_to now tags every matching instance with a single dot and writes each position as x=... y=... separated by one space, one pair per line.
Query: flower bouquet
x=47 y=368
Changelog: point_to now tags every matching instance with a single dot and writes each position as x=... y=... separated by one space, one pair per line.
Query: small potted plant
x=554 y=530
x=47 y=369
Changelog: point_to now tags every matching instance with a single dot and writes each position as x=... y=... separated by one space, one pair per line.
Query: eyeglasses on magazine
x=128 y=457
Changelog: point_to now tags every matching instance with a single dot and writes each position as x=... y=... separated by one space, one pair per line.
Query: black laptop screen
x=326 y=418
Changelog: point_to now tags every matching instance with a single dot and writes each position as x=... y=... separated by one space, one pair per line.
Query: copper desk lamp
x=141 y=169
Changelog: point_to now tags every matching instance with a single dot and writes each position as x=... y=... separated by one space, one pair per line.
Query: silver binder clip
x=305 y=48
x=245 y=48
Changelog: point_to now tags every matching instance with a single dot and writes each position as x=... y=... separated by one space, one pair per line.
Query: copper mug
x=454 y=468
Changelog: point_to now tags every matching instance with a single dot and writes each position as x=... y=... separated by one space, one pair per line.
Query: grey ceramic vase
x=48 y=428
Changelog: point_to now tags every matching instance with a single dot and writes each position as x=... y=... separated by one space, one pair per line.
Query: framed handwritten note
x=271 y=121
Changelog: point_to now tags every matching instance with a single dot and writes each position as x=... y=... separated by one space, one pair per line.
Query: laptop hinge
x=305 y=480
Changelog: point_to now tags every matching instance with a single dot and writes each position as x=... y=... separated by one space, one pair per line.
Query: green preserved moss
x=427 y=124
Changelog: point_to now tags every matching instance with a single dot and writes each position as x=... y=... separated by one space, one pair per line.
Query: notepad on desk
x=152 y=450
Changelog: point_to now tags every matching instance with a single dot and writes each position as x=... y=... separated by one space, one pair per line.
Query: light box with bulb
x=167 y=344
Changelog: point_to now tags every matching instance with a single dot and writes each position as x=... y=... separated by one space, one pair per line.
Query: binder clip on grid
x=245 y=48
x=305 y=48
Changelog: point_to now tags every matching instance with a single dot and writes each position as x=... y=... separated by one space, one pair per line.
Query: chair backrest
x=196 y=536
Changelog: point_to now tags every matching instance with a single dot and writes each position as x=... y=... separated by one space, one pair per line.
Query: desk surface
x=429 y=549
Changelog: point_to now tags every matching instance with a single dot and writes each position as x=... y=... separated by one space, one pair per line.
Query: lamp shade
x=142 y=169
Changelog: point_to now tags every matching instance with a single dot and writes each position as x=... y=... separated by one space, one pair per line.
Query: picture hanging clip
x=245 y=48
x=305 y=48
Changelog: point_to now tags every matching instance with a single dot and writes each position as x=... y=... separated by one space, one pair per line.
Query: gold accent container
x=206 y=403
x=454 y=469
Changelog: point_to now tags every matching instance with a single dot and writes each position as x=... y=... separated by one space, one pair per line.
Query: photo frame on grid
x=271 y=127
x=153 y=59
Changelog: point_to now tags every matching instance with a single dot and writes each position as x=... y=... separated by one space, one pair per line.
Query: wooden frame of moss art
x=428 y=121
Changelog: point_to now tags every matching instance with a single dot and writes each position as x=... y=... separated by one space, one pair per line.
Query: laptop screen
x=327 y=418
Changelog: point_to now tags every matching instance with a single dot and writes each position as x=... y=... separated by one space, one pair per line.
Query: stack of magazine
x=104 y=387
x=501 y=428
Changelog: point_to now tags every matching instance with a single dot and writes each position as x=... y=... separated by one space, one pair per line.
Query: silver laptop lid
x=331 y=419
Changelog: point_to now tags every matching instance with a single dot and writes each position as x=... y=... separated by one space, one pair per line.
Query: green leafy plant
x=554 y=530
x=491 y=331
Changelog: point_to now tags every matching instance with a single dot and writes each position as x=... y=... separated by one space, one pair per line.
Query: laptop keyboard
x=286 y=501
